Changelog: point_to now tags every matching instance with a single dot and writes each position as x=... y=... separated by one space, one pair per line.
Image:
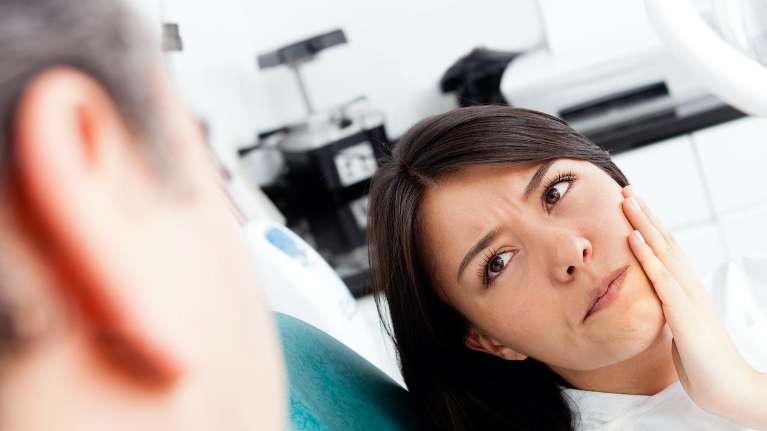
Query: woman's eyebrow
x=536 y=179
x=489 y=237
x=478 y=247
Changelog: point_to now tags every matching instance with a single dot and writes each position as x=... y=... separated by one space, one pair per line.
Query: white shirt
x=740 y=292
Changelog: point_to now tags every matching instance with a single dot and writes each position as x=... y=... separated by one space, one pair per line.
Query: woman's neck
x=644 y=374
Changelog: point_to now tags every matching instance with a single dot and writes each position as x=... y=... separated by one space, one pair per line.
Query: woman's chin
x=642 y=325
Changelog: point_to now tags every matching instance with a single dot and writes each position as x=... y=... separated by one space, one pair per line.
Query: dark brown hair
x=460 y=388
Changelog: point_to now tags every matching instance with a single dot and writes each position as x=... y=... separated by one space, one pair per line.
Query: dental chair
x=333 y=388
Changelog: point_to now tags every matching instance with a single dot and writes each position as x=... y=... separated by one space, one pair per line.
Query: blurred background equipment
x=301 y=284
x=476 y=77
x=327 y=161
x=621 y=89
x=728 y=55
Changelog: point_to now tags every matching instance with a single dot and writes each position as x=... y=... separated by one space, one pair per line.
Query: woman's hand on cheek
x=710 y=368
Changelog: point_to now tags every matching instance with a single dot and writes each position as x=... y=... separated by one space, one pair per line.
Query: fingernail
x=634 y=203
x=639 y=236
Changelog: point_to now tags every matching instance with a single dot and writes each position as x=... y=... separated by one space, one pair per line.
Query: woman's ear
x=476 y=340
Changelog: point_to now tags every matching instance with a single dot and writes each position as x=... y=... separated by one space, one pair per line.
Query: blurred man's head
x=126 y=299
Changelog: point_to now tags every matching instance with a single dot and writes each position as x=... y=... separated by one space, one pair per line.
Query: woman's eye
x=497 y=264
x=555 y=192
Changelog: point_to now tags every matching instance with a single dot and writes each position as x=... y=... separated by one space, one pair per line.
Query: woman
x=503 y=244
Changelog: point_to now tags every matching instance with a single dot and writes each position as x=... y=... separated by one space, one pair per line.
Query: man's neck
x=644 y=374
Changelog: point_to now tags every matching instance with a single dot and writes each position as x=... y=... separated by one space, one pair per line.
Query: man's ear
x=480 y=342
x=80 y=182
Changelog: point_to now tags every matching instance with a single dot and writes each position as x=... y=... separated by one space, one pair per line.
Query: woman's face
x=525 y=268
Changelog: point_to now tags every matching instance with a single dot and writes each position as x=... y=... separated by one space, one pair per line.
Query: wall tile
x=733 y=156
x=745 y=232
x=704 y=246
x=666 y=176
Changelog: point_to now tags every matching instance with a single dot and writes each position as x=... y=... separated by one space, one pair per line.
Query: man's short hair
x=101 y=38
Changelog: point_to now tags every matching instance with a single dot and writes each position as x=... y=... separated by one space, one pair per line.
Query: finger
x=642 y=223
x=664 y=283
x=675 y=303
x=628 y=191
x=669 y=252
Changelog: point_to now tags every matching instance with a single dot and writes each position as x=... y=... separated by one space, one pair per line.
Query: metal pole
x=302 y=87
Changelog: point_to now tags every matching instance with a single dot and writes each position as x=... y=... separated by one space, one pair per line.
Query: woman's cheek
x=604 y=205
x=577 y=197
x=511 y=292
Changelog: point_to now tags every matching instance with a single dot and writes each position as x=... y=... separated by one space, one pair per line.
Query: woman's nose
x=571 y=254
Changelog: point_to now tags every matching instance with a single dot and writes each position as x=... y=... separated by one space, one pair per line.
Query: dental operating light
x=728 y=56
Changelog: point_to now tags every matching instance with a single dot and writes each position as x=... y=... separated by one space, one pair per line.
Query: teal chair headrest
x=333 y=388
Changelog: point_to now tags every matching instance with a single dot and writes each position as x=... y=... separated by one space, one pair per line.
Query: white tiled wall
x=733 y=158
x=669 y=180
x=704 y=245
x=745 y=232
x=708 y=189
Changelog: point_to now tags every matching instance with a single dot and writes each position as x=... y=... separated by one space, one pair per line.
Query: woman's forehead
x=473 y=179
x=474 y=183
x=480 y=173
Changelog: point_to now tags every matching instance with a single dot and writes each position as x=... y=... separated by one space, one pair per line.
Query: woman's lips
x=608 y=290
